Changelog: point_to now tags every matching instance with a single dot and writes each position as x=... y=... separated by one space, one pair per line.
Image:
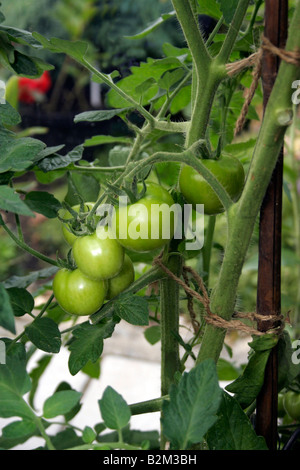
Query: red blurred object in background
x=32 y=90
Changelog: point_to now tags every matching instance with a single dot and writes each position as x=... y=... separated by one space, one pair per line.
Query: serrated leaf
x=97 y=116
x=60 y=403
x=87 y=344
x=233 y=430
x=7 y=319
x=133 y=309
x=152 y=68
x=44 y=334
x=9 y=116
x=192 y=407
x=75 y=49
x=61 y=161
x=43 y=203
x=114 y=410
x=247 y=386
x=10 y=201
x=25 y=281
x=228 y=8
x=21 y=301
x=19 y=154
x=14 y=383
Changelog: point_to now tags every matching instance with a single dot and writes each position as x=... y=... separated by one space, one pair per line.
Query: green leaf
x=82 y=184
x=228 y=8
x=14 y=383
x=287 y=369
x=60 y=403
x=21 y=301
x=10 y=201
x=105 y=139
x=118 y=155
x=19 y=154
x=87 y=344
x=153 y=334
x=210 y=8
x=7 y=319
x=44 y=334
x=61 y=161
x=153 y=26
x=43 y=203
x=132 y=308
x=226 y=370
x=247 y=386
x=169 y=79
x=9 y=116
x=97 y=116
x=114 y=409
x=20 y=36
x=75 y=49
x=233 y=430
x=25 y=281
x=193 y=405
x=19 y=429
x=88 y=435
x=130 y=84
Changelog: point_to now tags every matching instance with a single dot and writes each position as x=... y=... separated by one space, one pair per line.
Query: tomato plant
x=181 y=147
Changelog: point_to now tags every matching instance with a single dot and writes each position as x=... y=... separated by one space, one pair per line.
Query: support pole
x=269 y=267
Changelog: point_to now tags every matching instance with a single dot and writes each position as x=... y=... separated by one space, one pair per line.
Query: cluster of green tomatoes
x=103 y=267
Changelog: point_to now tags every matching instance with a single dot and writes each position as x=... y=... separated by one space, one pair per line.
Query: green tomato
x=77 y=294
x=99 y=255
x=69 y=236
x=147 y=224
x=227 y=169
x=291 y=403
x=121 y=281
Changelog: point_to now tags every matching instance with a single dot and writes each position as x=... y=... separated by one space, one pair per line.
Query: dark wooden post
x=269 y=276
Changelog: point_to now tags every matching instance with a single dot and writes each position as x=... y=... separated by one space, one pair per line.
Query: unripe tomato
x=98 y=256
x=69 y=236
x=291 y=403
x=121 y=281
x=78 y=294
x=227 y=169
x=147 y=224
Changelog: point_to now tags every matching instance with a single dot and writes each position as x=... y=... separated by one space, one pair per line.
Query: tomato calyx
x=78 y=224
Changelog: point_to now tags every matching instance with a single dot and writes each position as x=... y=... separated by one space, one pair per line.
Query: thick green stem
x=243 y=215
x=194 y=39
x=169 y=322
x=169 y=326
